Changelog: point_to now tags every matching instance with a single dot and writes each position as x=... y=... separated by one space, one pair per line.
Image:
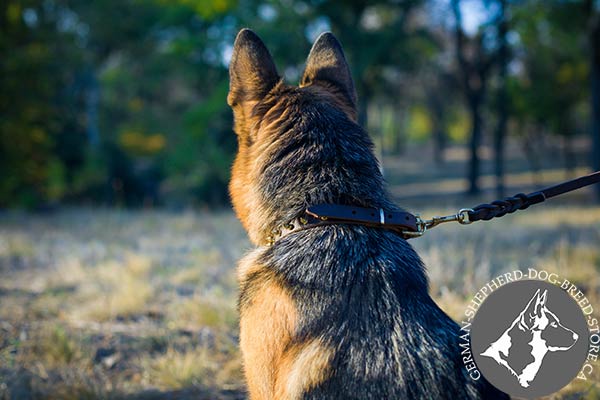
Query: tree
x=475 y=71
x=376 y=35
x=502 y=100
x=594 y=44
x=437 y=84
x=37 y=66
x=549 y=94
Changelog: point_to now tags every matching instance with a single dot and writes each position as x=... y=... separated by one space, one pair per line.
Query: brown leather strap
x=330 y=214
x=410 y=226
x=364 y=216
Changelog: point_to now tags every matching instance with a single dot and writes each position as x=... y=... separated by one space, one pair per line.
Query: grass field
x=109 y=304
x=142 y=304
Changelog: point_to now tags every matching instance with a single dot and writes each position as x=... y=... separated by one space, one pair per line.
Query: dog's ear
x=530 y=311
x=539 y=303
x=327 y=65
x=252 y=72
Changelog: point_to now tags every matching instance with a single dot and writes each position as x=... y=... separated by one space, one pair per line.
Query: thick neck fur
x=303 y=149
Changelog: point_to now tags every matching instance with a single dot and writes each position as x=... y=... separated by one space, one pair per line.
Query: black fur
x=362 y=290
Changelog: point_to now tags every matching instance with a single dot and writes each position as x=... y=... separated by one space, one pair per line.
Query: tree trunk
x=568 y=156
x=595 y=89
x=439 y=134
x=363 y=105
x=92 y=100
x=439 y=145
x=399 y=119
x=499 y=136
x=500 y=132
x=532 y=158
x=363 y=113
x=474 y=76
x=475 y=108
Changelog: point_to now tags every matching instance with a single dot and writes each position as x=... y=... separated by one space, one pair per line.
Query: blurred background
x=122 y=103
x=117 y=243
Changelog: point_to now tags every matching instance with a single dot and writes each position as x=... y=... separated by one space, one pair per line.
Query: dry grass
x=108 y=304
x=113 y=304
x=196 y=312
x=116 y=289
x=201 y=366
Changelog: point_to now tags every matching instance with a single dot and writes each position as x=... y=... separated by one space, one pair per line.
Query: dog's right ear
x=252 y=72
x=540 y=302
x=326 y=64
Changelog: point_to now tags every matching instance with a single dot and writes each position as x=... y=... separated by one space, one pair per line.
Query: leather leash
x=409 y=225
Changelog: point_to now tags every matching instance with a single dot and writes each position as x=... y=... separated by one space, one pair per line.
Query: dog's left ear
x=252 y=72
x=327 y=65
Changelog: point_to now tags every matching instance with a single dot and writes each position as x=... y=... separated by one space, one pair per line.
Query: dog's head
x=537 y=317
x=270 y=115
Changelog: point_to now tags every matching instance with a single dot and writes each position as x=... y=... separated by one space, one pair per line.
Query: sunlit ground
x=111 y=304
x=98 y=304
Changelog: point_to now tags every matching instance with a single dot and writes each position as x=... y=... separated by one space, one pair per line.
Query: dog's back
x=336 y=311
x=365 y=326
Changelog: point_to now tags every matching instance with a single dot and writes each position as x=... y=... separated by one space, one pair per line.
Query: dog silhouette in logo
x=532 y=335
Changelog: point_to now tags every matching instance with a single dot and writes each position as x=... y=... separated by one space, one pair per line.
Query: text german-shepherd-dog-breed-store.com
x=337 y=311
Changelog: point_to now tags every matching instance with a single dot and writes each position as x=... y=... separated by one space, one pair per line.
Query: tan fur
x=290 y=350
x=273 y=369
x=303 y=368
x=267 y=325
x=246 y=200
x=276 y=367
x=250 y=208
x=249 y=265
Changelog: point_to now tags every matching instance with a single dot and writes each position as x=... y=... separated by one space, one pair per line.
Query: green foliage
x=554 y=80
x=198 y=163
x=122 y=102
x=94 y=94
x=458 y=127
x=31 y=115
x=419 y=125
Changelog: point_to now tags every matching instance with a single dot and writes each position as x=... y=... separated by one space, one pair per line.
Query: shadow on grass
x=186 y=394
x=23 y=384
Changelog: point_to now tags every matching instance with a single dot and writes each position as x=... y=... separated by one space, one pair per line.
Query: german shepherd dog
x=536 y=330
x=337 y=311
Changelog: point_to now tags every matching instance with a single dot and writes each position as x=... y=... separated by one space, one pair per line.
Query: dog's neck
x=325 y=159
